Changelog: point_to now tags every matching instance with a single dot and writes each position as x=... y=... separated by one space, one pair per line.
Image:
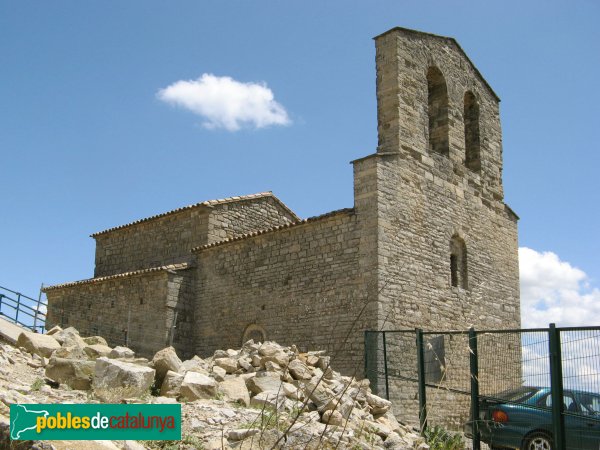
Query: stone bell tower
x=437 y=234
x=438 y=243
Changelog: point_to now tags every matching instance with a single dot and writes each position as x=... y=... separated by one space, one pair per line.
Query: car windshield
x=517 y=395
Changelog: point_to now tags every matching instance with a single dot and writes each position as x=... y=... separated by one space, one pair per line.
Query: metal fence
x=23 y=310
x=501 y=387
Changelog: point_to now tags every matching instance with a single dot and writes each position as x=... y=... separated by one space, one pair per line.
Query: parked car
x=521 y=418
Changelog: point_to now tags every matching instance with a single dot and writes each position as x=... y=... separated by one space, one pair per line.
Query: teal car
x=521 y=419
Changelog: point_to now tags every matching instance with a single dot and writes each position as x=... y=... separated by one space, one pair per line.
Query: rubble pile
x=261 y=396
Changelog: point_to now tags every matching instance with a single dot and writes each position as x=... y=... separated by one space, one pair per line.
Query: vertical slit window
x=471 y=120
x=458 y=263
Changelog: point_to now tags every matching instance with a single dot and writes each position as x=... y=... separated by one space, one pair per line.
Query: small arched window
x=471 y=119
x=254 y=332
x=458 y=262
x=437 y=97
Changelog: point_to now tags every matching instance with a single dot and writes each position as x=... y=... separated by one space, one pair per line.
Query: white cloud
x=553 y=291
x=226 y=103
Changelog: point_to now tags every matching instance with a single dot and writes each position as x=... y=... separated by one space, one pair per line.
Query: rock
x=69 y=337
x=359 y=394
x=139 y=361
x=332 y=418
x=133 y=445
x=9 y=398
x=279 y=358
x=312 y=360
x=242 y=433
x=34 y=364
x=163 y=361
x=380 y=429
x=219 y=373
x=299 y=370
x=318 y=394
x=269 y=399
x=71 y=352
x=271 y=366
x=95 y=340
x=264 y=382
x=235 y=390
x=197 y=386
x=395 y=442
x=229 y=364
x=390 y=421
x=171 y=384
x=323 y=362
x=246 y=364
x=269 y=349
x=94 y=351
x=164 y=400
x=43 y=361
x=378 y=405
x=220 y=354
x=196 y=364
x=76 y=373
x=55 y=329
x=217 y=443
x=133 y=379
x=121 y=352
x=40 y=344
x=344 y=405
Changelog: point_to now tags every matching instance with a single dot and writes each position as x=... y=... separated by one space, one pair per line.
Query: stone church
x=429 y=241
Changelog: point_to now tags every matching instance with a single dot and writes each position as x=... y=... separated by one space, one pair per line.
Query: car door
x=589 y=420
x=573 y=423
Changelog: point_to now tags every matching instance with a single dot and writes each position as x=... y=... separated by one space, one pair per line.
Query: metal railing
x=23 y=310
x=446 y=377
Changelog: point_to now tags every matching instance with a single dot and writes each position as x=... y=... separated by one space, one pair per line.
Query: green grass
x=440 y=439
x=37 y=384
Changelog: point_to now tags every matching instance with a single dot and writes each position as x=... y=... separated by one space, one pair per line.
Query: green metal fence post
x=474 y=369
x=421 y=374
x=556 y=386
x=385 y=367
x=367 y=355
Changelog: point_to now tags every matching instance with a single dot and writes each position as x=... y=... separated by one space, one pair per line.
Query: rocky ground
x=261 y=396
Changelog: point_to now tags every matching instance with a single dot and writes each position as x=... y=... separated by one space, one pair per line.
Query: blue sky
x=87 y=143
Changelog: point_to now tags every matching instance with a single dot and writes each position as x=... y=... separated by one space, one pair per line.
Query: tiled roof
x=208 y=203
x=170 y=267
x=275 y=228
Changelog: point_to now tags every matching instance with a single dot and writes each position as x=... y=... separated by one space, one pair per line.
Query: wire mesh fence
x=500 y=386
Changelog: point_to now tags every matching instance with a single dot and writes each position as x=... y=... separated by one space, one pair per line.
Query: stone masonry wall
x=111 y=307
x=301 y=285
x=180 y=299
x=161 y=241
x=234 y=219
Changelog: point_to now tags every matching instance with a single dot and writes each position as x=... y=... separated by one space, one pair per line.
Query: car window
x=568 y=402
x=590 y=403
